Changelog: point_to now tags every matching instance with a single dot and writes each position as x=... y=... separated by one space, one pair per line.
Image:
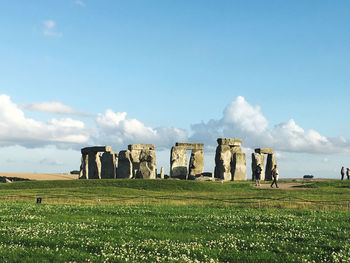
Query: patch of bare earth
x=40 y=177
x=289 y=186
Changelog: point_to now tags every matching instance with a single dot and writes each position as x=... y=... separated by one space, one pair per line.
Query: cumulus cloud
x=16 y=129
x=239 y=120
x=50 y=29
x=242 y=120
x=115 y=128
x=53 y=107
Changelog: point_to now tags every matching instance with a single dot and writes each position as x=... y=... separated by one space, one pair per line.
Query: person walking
x=258 y=175
x=348 y=173
x=342 y=172
x=274 y=176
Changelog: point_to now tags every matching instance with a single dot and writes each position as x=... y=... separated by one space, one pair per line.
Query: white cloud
x=244 y=116
x=244 y=121
x=50 y=29
x=115 y=128
x=80 y=3
x=240 y=120
x=16 y=129
x=53 y=107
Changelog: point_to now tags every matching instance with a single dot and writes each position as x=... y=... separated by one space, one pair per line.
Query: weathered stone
x=147 y=165
x=196 y=162
x=143 y=158
x=270 y=163
x=190 y=146
x=223 y=162
x=178 y=162
x=135 y=159
x=264 y=150
x=124 y=165
x=258 y=158
x=141 y=147
x=95 y=149
x=108 y=165
x=91 y=166
x=162 y=173
x=238 y=167
x=229 y=141
x=235 y=149
x=94 y=165
x=84 y=169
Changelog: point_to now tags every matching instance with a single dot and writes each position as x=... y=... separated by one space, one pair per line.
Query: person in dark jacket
x=342 y=172
x=258 y=175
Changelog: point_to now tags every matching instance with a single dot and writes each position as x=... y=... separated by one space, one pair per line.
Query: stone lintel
x=264 y=150
x=190 y=146
x=229 y=141
x=141 y=147
x=96 y=149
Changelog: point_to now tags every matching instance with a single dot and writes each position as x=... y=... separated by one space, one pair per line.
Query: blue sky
x=79 y=73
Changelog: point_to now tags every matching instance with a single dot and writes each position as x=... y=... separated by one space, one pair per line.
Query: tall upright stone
x=162 y=173
x=94 y=165
x=84 y=168
x=108 y=165
x=223 y=158
x=258 y=158
x=239 y=167
x=124 y=165
x=147 y=165
x=143 y=157
x=178 y=162
x=196 y=164
x=230 y=161
x=270 y=163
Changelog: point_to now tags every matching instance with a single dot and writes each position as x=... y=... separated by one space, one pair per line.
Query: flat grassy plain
x=173 y=221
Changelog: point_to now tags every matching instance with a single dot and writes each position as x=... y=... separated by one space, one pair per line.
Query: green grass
x=173 y=221
x=137 y=233
x=333 y=195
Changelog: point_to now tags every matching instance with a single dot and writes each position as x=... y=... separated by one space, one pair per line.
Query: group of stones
x=139 y=161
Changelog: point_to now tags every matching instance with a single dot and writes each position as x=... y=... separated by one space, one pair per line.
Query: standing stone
x=94 y=165
x=124 y=165
x=238 y=167
x=147 y=165
x=108 y=165
x=84 y=167
x=161 y=173
x=178 y=162
x=270 y=163
x=258 y=158
x=196 y=162
x=135 y=159
x=143 y=158
x=223 y=162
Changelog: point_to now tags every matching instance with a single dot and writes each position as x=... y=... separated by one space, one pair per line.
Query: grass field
x=173 y=221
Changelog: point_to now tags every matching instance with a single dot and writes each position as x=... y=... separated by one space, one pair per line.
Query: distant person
x=342 y=172
x=258 y=175
x=274 y=176
x=348 y=173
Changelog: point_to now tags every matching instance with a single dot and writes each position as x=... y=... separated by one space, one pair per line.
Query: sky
x=78 y=73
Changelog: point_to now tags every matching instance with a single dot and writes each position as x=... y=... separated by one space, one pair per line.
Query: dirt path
x=281 y=185
x=39 y=177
